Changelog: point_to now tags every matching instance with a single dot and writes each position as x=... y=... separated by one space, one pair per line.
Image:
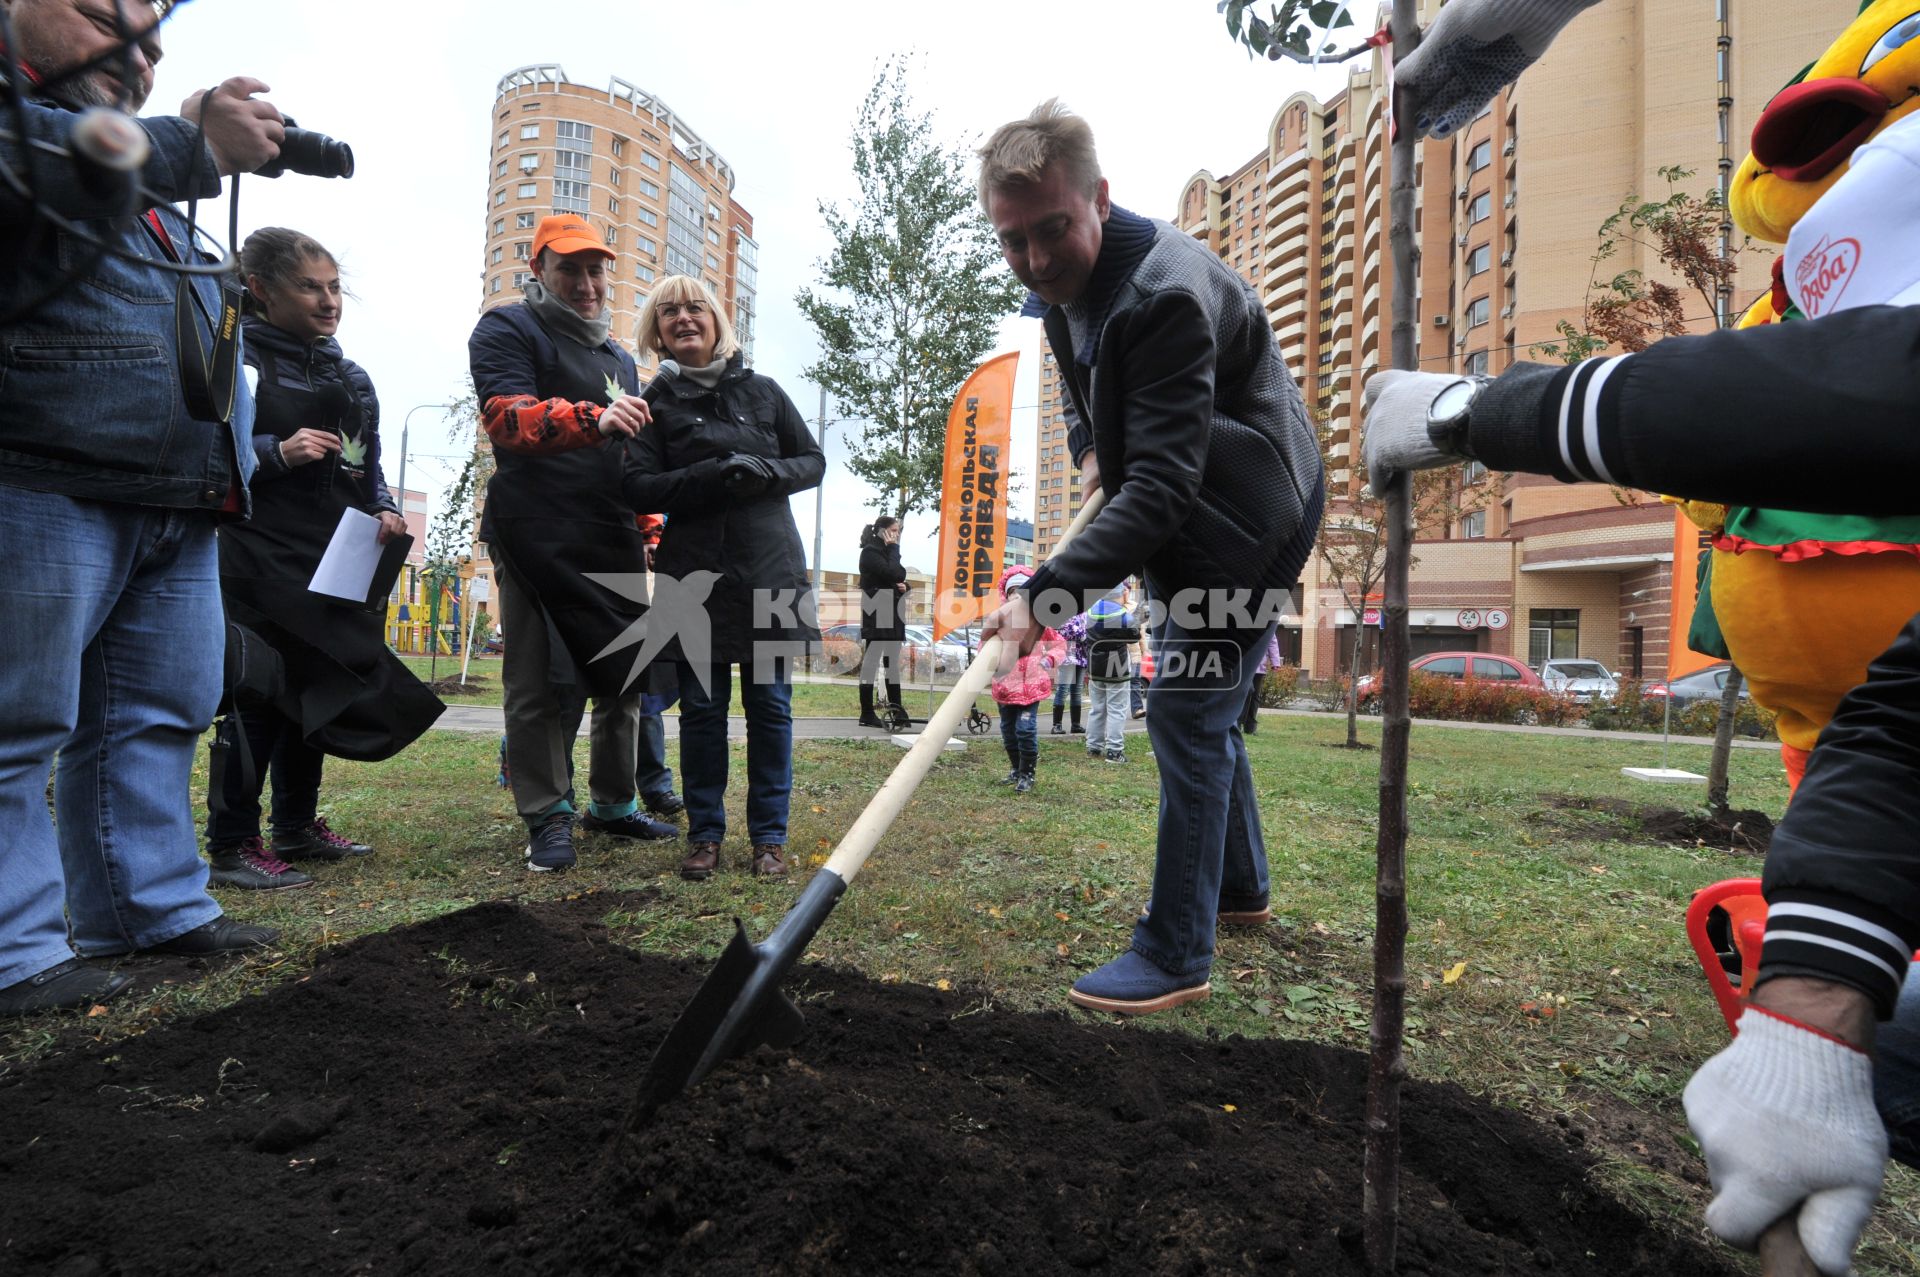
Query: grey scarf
x=707 y=377
x=564 y=319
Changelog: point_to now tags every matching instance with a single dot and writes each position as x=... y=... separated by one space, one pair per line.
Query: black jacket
x=1212 y=474
x=883 y=612
x=749 y=544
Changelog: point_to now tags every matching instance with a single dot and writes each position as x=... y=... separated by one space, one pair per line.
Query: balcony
x=1342 y=324
x=1291 y=332
x=1370 y=336
x=1284 y=266
x=1285 y=293
x=1290 y=232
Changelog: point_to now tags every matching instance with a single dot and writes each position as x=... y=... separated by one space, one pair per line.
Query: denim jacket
x=90 y=387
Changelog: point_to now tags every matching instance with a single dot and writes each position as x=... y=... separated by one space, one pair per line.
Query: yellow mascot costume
x=1806 y=601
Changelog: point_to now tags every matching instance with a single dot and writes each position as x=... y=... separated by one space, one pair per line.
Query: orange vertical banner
x=973 y=496
x=1690 y=544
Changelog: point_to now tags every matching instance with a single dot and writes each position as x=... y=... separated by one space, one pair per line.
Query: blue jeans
x=1209 y=839
x=1896 y=1073
x=652 y=778
x=111 y=623
x=1020 y=731
x=703 y=752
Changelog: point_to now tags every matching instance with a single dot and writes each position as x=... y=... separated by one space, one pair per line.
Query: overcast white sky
x=773 y=86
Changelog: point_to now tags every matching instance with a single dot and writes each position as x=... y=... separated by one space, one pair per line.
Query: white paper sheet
x=346 y=569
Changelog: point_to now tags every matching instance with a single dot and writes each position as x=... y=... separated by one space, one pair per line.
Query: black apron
x=559 y=517
x=347 y=691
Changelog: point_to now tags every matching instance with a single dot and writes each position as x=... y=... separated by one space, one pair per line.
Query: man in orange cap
x=554 y=521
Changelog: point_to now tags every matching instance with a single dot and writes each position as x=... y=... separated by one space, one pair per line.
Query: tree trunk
x=1723 y=743
x=1387 y=1064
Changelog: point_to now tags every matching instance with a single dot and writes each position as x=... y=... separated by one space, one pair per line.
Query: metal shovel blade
x=740 y=1005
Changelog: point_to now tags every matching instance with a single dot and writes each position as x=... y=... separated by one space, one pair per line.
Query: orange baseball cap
x=567 y=233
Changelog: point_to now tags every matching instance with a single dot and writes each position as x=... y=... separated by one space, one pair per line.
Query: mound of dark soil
x=448 y=1098
x=452 y=686
x=1741 y=831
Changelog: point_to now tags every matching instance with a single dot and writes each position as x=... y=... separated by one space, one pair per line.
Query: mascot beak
x=1809 y=129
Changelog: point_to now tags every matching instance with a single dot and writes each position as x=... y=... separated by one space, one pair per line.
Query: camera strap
x=209 y=375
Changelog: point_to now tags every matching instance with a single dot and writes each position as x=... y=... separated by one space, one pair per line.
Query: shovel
x=740 y=1006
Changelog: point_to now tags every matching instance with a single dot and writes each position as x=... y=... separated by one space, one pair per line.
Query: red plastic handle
x=1747 y=909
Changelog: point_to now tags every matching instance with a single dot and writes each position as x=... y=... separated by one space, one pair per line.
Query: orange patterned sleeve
x=521 y=423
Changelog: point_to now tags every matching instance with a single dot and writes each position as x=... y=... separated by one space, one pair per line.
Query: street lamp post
x=819 y=514
x=405 y=422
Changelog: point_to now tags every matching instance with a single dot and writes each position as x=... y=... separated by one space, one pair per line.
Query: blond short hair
x=685 y=288
x=1020 y=151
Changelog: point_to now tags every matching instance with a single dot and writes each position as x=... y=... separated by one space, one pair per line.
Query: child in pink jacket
x=1019 y=693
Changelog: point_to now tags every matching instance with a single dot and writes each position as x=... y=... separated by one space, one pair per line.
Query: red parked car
x=1488 y=666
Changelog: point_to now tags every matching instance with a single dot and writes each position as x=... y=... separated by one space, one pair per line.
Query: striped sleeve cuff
x=1833 y=937
x=1583 y=419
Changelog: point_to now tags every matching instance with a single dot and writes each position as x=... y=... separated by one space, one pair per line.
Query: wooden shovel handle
x=1780 y=1251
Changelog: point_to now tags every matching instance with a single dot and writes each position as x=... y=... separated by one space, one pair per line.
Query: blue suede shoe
x=1133 y=985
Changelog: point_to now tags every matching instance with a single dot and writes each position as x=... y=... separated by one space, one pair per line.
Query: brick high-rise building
x=1507 y=215
x=661 y=196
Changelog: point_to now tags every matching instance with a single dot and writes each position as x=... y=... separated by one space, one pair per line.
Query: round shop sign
x=1469 y=618
x=1497 y=619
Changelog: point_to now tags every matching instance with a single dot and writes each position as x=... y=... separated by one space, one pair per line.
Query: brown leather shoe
x=769 y=860
x=702 y=859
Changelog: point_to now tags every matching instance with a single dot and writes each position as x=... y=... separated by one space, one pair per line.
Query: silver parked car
x=1583 y=680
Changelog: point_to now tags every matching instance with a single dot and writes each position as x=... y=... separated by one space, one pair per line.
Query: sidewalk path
x=489 y=720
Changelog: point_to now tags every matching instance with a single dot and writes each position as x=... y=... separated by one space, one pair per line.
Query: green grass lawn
x=1015 y=896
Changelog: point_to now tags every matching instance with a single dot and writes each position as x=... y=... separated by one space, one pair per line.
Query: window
x=1477 y=311
x=520 y=278
x=573 y=135
x=527 y=190
x=500 y=196
x=501 y=140
x=613 y=206
x=645 y=248
x=1480 y=157
x=1473 y=472
x=523 y=221
x=649 y=189
x=1446 y=667
x=644 y=271
x=1498 y=671
x=1481 y=208
x=529 y=131
x=713 y=263
x=523 y=251
x=1552 y=632
x=494 y=287
x=647 y=216
x=613 y=237
x=500 y=169
x=495 y=258
x=569 y=197
x=619 y=147
x=1474 y=525
x=614 y=175
x=1478 y=260
x=651 y=160
x=713 y=236
x=1476 y=364
x=529 y=163
x=499 y=226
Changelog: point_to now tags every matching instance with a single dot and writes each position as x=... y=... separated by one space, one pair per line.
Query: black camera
x=304 y=151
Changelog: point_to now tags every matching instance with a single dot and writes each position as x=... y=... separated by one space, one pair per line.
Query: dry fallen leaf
x=1453 y=973
x=1062 y=950
x=96 y=1010
x=943 y=985
x=1229 y=1108
x=1061 y=914
x=993 y=911
x=817 y=809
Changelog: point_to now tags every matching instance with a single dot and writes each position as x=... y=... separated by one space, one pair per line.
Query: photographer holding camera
x=120 y=450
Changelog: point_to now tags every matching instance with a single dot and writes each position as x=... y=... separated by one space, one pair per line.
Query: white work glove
x=1474 y=49
x=1394 y=437
x=1786 y=1118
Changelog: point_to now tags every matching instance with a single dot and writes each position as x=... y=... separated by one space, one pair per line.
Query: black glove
x=745 y=475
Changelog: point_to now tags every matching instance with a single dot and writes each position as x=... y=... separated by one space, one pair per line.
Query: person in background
x=113 y=480
x=883 y=625
x=1072 y=672
x=725 y=449
x=1112 y=633
x=1269 y=660
x=316 y=438
x=547 y=373
x=1019 y=690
